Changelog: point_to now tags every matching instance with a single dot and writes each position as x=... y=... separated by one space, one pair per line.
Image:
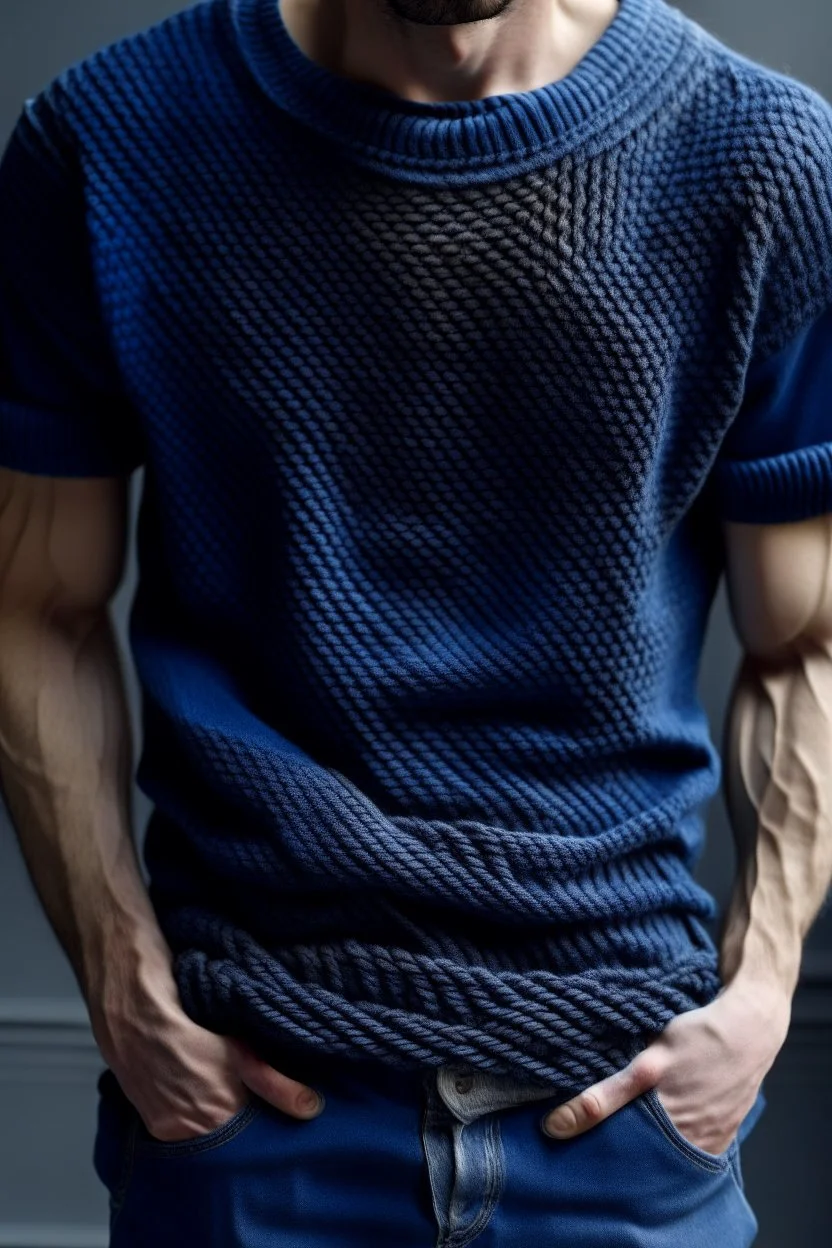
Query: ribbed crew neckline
x=467 y=139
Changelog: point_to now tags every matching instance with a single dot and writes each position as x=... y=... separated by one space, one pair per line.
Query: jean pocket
x=653 y=1106
x=215 y=1138
x=139 y=1140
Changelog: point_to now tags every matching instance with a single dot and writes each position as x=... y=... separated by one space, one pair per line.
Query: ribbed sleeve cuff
x=793 y=486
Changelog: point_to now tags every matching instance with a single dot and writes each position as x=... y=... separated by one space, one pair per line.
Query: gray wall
x=49 y=1194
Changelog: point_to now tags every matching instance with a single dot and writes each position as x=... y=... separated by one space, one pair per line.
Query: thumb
x=285 y=1093
x=600 y=1100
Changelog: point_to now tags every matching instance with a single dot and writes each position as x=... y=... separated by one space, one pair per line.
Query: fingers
x=285 y=1093
x=600 y=1100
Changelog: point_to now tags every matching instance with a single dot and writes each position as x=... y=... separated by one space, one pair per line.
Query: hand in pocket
x=185 y=1081
x=705 y=1068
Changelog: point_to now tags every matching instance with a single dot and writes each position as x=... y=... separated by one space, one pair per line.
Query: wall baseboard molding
x=32 y=1235
x=43 y=1012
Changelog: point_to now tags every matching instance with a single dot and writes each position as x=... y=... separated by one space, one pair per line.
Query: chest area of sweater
x=496 y=322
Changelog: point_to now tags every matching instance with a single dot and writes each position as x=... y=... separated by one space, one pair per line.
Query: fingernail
x=555 y=1125
x=310 y=1102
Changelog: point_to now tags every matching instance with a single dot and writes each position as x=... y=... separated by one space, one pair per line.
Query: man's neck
x=494 y=47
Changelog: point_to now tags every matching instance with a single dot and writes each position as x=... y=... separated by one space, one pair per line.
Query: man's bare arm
x=66 y=775
x=777 y=748
x=65 y=738
x=708 y=1063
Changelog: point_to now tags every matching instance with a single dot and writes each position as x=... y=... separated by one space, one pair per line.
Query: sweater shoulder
x=141 y=83
x=778 y=130
x=777 y=125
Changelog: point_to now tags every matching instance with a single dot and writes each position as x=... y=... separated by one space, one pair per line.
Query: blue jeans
x=430 y=1159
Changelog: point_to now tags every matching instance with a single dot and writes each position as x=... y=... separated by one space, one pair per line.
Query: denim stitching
x=652 y=1105
x=212 y=1139
x=495 y=1174
x=715 y=1163
x=431 y=1119
x=494 y=1144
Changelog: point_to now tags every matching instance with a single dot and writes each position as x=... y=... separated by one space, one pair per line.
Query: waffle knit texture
x=440 y=408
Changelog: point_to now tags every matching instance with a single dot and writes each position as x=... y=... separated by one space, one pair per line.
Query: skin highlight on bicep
x=62 y=541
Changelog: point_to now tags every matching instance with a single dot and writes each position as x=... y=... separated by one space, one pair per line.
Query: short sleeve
x=63 y=409
x=774 y=464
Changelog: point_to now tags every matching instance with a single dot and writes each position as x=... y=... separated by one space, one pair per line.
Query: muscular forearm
x=778 y=785
x=66 y=772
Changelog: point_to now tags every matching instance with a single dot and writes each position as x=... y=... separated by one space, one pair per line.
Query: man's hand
x=183 y=1079
x=707 y=1064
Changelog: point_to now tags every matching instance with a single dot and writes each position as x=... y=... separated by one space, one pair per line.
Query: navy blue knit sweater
x=440 y=408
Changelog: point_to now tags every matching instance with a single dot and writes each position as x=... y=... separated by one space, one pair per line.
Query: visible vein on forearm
x=778 y=787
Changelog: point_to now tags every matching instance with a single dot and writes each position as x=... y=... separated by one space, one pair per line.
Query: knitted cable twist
x=566 y=1022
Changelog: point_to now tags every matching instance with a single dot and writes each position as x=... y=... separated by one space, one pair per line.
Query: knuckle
x=590 y=1107
x=286 y=1102
x=646 y=1073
